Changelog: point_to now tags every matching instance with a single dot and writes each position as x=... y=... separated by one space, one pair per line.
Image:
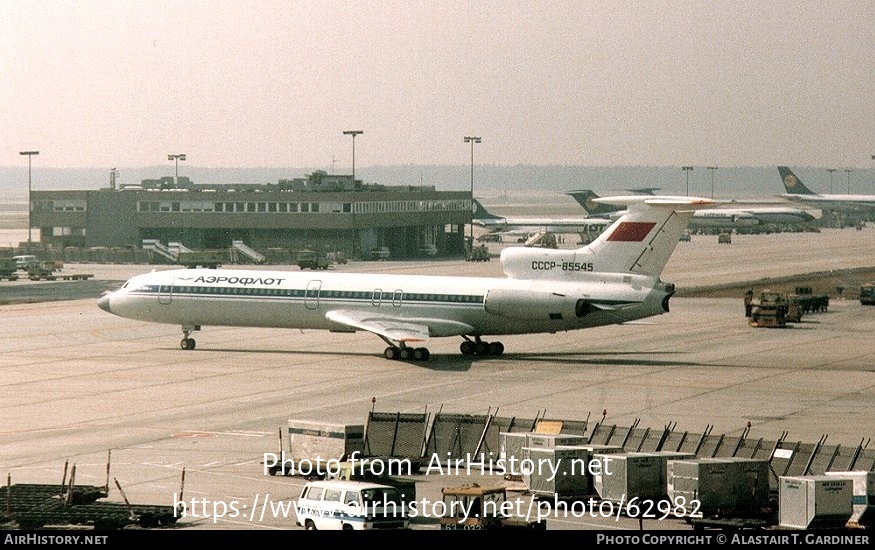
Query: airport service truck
x=476 y=507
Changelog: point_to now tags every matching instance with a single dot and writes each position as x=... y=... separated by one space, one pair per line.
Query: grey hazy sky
x=275 y=83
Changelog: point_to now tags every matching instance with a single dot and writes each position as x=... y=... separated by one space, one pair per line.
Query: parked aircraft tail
x=792 y=183
x=586 y=198
x=481 y=213
x=643 y=239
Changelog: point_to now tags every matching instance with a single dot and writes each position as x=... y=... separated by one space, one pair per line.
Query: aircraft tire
x=187 y=343
x=391 y=353
x=421 y=354
x=481 y=348
x=467 y=348
x=405 y=354
x=496 y=348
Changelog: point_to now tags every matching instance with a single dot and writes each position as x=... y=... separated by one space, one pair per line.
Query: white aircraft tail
x=644 y=238
x=639 y=242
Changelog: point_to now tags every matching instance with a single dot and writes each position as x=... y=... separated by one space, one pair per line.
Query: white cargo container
x=864 y=496
x=814 y=502
x=309 y=439
x=573 y=467
x=636 y=474
x=510 y=444
x=725 y=486
x=312 y=444
x=541 y=440
x=556 y=471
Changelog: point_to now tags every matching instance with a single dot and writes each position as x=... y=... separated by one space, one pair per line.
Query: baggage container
x=641 y=475
x=725 y=486
x=566 y=471
x=312 y=444
x=814 y=502
x=863 y=514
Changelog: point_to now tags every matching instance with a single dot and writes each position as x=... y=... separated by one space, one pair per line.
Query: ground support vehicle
x=476 y=507
x=794 y=309
x=771 y=311
x=8 y=269
x=350 y=505
x=309 y=259
x=43 y=271
x=478 y=254
x=810 y=302
x=374 y=470
x=202 y=258
x=867 y=294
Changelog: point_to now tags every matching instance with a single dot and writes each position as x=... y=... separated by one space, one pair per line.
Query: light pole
x=713 y=169
x=472 y=140
x=848 y=171
x=353 y=133
x=30 y=155
x=831 y=177
x=687 y=170
x=177 y=158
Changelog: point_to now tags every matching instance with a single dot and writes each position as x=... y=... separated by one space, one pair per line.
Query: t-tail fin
x=640 y=242
x=480 y=212
x=586 y=198
x=792 y=183
x=643 y=239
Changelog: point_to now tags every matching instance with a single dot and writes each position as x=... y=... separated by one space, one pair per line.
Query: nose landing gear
x=188 y=343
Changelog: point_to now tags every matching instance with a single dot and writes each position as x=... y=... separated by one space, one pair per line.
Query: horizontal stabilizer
x=658 y=200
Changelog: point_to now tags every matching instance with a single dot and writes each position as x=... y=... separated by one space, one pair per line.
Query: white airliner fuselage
x=613 y=280
x=448 y=306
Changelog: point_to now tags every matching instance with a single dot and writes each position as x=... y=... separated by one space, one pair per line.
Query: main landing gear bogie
x=478 y=347
x=406 y=354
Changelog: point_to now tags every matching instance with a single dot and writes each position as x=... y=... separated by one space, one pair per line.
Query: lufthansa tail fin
x=792 y=183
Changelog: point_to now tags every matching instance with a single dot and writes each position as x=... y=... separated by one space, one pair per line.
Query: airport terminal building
x=320 y=211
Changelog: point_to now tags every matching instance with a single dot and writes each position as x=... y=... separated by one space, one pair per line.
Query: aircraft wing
x=396 y=328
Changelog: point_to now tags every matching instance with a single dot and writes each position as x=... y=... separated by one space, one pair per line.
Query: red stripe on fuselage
x=631 y=231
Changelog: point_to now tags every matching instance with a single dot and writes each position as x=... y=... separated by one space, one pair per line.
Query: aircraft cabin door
x=311 y=296
x=165 y=293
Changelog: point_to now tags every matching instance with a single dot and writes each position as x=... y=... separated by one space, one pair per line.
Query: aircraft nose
x=103 y=303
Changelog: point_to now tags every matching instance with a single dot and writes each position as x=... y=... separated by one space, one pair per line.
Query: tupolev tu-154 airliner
x=614 y=279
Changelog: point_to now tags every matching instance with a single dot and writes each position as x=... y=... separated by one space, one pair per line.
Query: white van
x=350 y=505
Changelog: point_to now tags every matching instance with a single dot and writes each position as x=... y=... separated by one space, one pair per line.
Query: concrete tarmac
x=84 y=387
